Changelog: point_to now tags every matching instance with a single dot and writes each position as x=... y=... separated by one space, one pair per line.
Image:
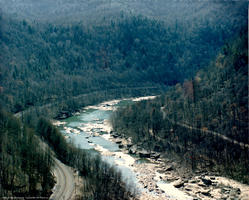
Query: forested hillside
x=25 y=167
x=46 y=62
x=204 y=120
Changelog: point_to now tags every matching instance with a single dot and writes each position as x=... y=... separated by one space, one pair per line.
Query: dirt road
x=64 y=186
x=241 y=144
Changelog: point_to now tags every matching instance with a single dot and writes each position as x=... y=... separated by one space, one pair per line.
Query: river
x=90 y=130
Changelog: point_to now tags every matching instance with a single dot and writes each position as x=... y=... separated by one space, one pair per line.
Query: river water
x=90 y=130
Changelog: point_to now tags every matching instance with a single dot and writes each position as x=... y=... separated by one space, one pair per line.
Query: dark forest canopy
x=44 y=62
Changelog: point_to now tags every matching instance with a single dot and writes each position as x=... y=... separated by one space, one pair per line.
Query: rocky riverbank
x=166 y=179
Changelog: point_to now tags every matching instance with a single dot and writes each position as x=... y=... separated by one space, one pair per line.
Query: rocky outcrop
x=114 y=134
x=155 y=155
x=133 y=150
x=179 y=183
x=118 y=142
x=144 y=154
x=169 y=168
x=206 y=192
x=206 y=181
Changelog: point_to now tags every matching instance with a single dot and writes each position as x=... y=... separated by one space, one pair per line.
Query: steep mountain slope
x=44 y=63
x=204 y=119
